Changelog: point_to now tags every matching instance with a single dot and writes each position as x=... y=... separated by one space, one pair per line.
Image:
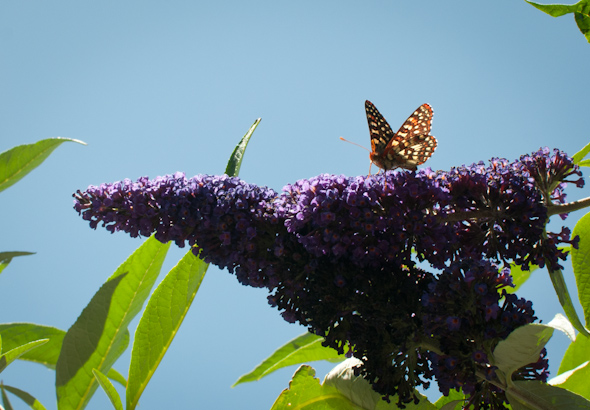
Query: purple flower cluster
x=510 y=200
x=467 y=311
x=370 y=221
x=336 y=252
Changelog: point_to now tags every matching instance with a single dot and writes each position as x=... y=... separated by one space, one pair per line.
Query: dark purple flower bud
x=453 y=323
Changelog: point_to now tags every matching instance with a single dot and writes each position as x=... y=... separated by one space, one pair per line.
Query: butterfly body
x=409 y=147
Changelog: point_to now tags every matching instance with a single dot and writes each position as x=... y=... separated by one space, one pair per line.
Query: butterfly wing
x=409 y=147
x=381 y=132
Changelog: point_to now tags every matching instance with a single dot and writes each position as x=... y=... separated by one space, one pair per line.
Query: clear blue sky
x=156 y=87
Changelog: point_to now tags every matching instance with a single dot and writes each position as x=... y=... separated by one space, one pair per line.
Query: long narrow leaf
x=95 y=340
x=6 y=258
x=581 y=264
x=109 y=389
x=581 y=12
x=5 y=400
x=554 y=10
x=19 y=161
x=26 y=397
x=303 y=349
x=235 y=161
x=16 y=334
x=160 y=322
x=582 y=17
x=11 y=355
x=581 y=154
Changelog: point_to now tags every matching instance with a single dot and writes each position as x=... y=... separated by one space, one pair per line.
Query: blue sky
x=156 y=87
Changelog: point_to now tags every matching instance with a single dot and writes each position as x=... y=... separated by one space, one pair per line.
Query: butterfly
x=409 y=147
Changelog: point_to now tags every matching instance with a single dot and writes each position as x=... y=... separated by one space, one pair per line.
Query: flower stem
x=554 y=209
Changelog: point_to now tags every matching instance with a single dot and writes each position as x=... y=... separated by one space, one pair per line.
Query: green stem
x=565 y=300
x=555 y=209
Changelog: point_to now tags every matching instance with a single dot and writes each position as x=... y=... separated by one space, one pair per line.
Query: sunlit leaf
x=303 y=349
x=161 y=320
x=539 y=395
x=581 y=263
x=16 y=334
x=575 y=380
x=13 y=354
x=19 y=161
x=305 y=392
x=97 y=338
x=581 y=154
x=360 y=392
x=576 y=354
x=26 y=397
x=109 y=389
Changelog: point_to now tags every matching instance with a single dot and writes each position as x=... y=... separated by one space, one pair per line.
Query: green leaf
x=305 y=348
x=16 y=334
x=554 y=10
x=581 y=12
x=160 y=322
x=521 y=347
x=109 y=389
x=561 y=323
x=359 y=391
x=355 y=388
x=5 y=401
x=534 y=394
x=578 y=156
x=575 y=380
x=305 y=392
x=451 y=405
x=6 y=258
x=576 y=354
x=453 y=401
x=583 y=21
x=116 y=376
x=11 y=355
x=235 y=161
x=581 y=263
x=97 y=338
x=584 y=163
x=519 y=276
x=26 y=397
x=19 y=161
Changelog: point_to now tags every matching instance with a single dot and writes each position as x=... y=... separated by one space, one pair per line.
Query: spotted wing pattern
x=409 y=147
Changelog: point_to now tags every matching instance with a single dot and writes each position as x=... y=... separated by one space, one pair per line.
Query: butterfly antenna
x=354 y=143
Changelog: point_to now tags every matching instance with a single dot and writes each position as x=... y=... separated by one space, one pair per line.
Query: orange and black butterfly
x=409 y=147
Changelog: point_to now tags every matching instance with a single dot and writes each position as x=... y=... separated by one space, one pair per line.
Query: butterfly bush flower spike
x=337 y=254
